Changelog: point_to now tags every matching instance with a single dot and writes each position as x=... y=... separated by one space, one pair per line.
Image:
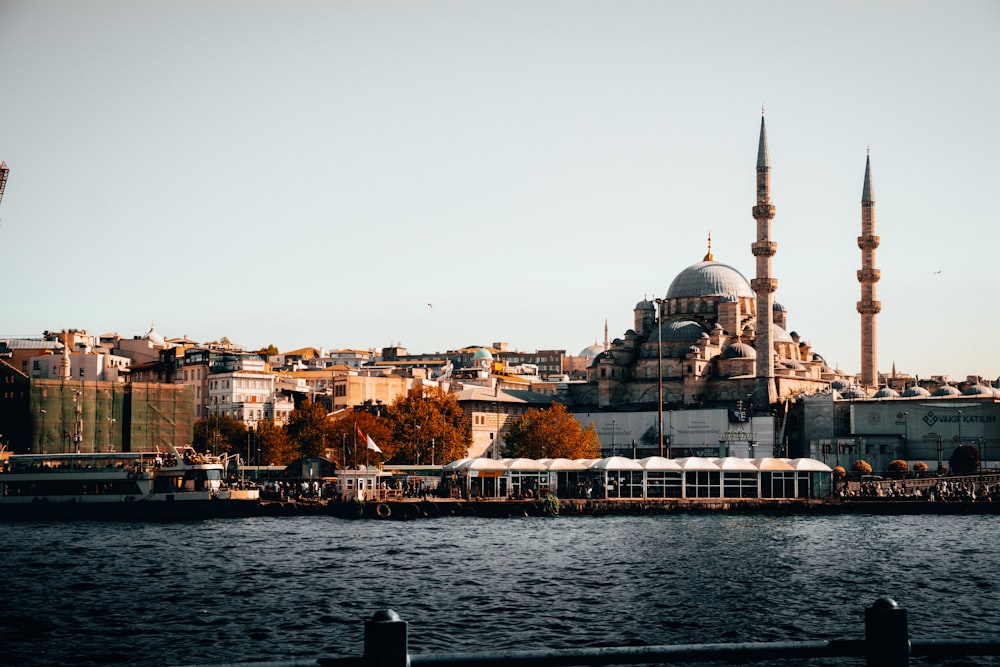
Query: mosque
x=717 y=339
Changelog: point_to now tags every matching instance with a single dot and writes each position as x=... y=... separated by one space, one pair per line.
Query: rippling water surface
x=276 y=588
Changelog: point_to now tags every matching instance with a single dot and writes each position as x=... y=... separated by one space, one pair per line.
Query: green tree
x=269 y=351
x=219 y=434
x=964 y=460
x=350 y=445
x=275 y=447
x=428 y=428
x=551 y=433
x=310 y=430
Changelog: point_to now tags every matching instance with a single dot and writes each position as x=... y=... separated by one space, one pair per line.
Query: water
x=276 y=588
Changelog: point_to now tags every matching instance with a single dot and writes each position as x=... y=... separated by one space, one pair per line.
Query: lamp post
x=614 y=451
x=659 y=368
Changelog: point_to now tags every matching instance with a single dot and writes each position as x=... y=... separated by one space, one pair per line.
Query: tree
x=920 y=467
x=274 y=446
x=310 y=430
x=899 y=465
x=219 y=434
x=551 y=433
x=964 y=460
x=862 y=467
x=350 y=445
x=428 y=428
x=839 y=472
x=269 y=351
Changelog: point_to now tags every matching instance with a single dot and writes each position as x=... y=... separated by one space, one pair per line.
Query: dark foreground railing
x=887 y=643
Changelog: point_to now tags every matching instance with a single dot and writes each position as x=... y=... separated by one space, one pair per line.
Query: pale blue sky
x=317 y=173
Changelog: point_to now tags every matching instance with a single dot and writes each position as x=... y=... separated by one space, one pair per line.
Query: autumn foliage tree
x=551 y=433
x=350 y=432
x=219 y=434
x=427 y=427
x=274 y=447
x=310 y=430
x=862 y=467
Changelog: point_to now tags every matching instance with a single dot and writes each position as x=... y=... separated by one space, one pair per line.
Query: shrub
x=899 y=465
x=839 y=471
x=550 y=505
x=862 y=466
x=920 y=467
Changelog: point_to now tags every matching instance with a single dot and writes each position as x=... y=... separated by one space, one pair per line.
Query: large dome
x=709 y=278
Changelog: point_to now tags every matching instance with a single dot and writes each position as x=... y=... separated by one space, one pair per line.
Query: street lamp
x=659 y=367
x=614 y=452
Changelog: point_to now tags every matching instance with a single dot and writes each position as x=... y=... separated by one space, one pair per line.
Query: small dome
x=729 y=298
x=886 y=392
x=591 y=351
x=778 y=307
x=739 y=351
x=915 y=391
x=979 y=390
x=946 y=390
x=709 y=278
x=483 y=353
x=839 y=385
x=817 y=357
x=855 y=392
x=681 y=330
x=153 y=337
x=645 y=304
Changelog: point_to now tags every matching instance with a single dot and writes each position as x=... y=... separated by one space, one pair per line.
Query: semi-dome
x=681 y=330
x=739 y=351
x=709 y=278
x=915 y=391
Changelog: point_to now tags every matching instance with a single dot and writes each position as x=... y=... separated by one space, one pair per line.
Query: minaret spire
x=868 y=306
x=764 y=285
x=607 y=345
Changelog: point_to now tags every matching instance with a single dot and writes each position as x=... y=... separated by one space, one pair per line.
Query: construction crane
x=3 y=177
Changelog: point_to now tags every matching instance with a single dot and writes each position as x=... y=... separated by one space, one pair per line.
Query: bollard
x=385 y=641
x=887 y=634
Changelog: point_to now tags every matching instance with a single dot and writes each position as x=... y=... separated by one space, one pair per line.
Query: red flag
x=361 y=436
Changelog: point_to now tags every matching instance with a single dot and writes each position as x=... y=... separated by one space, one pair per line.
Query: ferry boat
x=181 y=482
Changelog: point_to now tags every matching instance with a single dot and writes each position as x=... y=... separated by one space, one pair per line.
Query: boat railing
x=886 y=643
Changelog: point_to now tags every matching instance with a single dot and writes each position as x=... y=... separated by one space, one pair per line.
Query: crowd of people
x=941 y=490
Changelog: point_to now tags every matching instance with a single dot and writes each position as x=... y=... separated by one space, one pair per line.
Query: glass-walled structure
x=622 y=478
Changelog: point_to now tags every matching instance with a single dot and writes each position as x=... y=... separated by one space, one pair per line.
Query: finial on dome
x=709 y=257
x=761 y=110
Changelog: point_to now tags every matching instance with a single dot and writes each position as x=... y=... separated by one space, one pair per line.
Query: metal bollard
x=386 y=643
x=887 y=634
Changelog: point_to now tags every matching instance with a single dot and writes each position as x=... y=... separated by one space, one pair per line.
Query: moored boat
x=181 y=482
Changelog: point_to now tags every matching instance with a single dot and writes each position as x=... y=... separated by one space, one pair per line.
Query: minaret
x=764 y=285
x=868 y=307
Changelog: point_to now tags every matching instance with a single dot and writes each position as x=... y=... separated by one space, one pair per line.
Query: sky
x=441 y=174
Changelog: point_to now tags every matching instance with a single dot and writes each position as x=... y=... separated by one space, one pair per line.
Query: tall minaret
x=868 y=307
x=764 y=285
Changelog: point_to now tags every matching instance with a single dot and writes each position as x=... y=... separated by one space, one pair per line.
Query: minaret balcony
x=763 y=211
x=869 y=307
x=764 y=248
x=869 y=242
x=866 y=276
x=763 y=285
